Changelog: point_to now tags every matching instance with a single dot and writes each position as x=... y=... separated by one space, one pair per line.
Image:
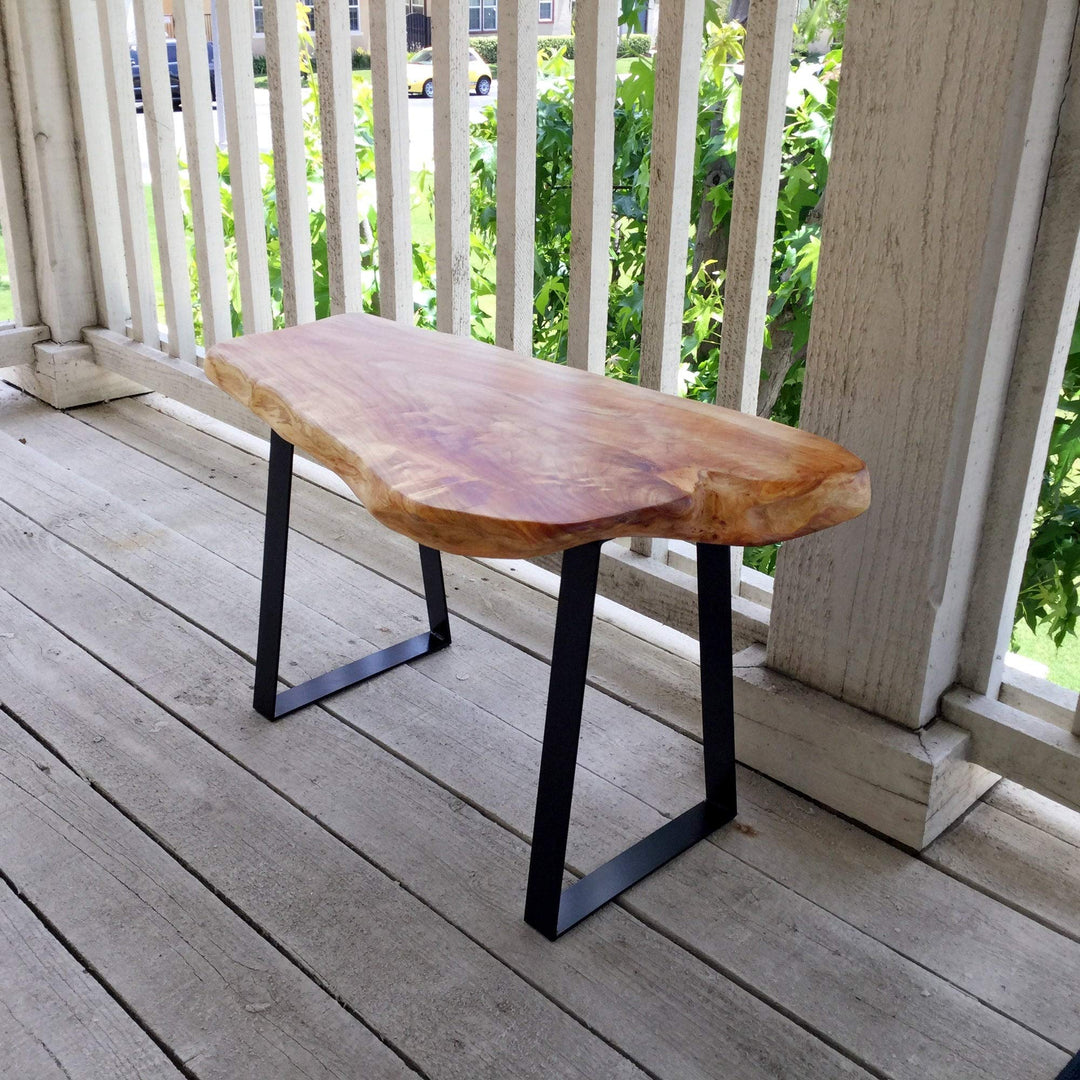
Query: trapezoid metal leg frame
x=268 y=701
x=547 y=907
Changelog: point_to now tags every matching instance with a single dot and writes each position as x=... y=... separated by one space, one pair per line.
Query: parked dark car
x=174 y=72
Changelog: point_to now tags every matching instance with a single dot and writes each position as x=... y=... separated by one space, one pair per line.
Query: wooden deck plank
x=659 y=1002
x=226 y=1002
x=56 y=1021
x=960 y=1037
x=1011 y=963
x=998 y=955
x=443 y=1002
x=1037 y=810
x=1018 y=863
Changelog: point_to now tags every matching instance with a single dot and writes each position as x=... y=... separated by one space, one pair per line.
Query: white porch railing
x=81 y=59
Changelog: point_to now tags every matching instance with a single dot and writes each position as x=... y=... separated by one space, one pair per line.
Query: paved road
x=421 y=128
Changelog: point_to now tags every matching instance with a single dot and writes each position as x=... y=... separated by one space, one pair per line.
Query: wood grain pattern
x=59 y=251
x=204 y=981
x=1018 y=863
x=56 y=1021
x=473 y=450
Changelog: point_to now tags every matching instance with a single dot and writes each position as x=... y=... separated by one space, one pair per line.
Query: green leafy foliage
x=634 y=45
x=1049 y=589
x=823 y=16
x=487 y=48
x=550 y=45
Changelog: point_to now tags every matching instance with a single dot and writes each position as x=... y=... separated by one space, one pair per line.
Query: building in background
x=552 y=16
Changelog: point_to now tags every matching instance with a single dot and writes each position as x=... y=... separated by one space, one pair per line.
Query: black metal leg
x=558 y=757
x=268 y=702
x=275 y=552
x=547 y=908
x=717 y=677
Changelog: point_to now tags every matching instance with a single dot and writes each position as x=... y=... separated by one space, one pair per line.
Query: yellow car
x=419 y=74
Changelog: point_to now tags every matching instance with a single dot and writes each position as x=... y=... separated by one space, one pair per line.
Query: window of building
x=547 y=10
x=483 y=15
x=354 y=16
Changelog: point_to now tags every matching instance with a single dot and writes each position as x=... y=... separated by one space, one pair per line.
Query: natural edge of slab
x=452 y=443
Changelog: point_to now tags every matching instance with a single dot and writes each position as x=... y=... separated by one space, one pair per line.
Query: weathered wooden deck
x=189 y=890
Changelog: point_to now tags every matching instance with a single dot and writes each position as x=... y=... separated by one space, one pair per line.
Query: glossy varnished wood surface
x=473 y=450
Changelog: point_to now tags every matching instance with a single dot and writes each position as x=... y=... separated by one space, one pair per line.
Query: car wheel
x=429 y=89
x=483 y=86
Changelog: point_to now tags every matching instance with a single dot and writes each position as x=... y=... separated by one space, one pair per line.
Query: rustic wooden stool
x=470 y=449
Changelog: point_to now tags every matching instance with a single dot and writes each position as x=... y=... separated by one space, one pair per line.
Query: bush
x=487 y=47
x=635 y=45
x=361 y=61
x=551 y=45
x=258 y=65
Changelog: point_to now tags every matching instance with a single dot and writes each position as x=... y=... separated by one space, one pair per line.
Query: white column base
x=64 y=376
x=909 y=785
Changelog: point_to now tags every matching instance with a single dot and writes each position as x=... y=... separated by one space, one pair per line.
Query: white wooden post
x=93 y=124
x=201 y=149
x=1050 y=307
x=165 y=175
x=37 y=48
x=390 y=105
x=13 y=216
x=934 y=198
x=290 y=160
x=127 y=168
x=753 y=212
x=753 y=208
x=450 y=45
x=515 y=177
x=671 y=180
x=590 y=198
x=337 y=124
x=234 y=80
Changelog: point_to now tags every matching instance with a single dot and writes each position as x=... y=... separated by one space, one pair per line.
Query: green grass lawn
x=7 y=309
x=1064 y=663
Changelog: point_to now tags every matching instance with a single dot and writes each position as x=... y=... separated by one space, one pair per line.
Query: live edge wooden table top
x=474 y=450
